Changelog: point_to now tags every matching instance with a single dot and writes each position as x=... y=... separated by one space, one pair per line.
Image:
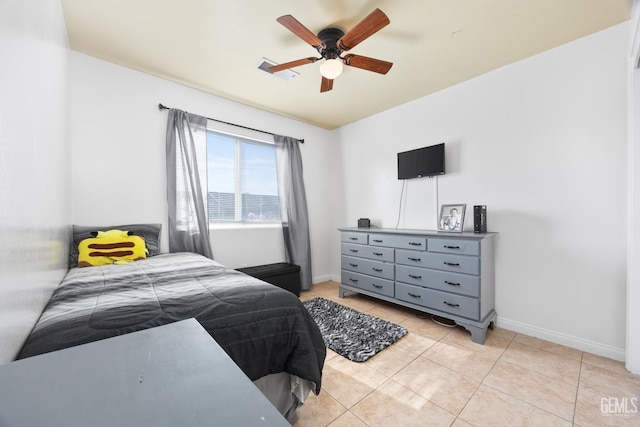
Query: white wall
x=118 y=157
x=34 y=164
x=542 y=143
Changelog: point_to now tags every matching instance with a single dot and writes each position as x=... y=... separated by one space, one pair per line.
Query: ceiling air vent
x=286 y=75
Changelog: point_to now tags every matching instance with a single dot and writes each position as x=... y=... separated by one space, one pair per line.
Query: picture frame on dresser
x=451 y=218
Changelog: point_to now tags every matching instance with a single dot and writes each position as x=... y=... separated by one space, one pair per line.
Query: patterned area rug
x=351 y=334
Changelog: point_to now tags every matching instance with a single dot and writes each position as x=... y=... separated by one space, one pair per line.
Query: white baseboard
x=325 y=278
x=563 y=339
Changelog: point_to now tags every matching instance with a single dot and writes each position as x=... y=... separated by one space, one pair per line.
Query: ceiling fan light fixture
x=331 y=68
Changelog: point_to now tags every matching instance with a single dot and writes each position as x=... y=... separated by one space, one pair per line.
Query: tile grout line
x=575 y=403
x=482 y=381
x=522 y=367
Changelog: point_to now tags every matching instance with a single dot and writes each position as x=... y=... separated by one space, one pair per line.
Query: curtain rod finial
x=162 y=107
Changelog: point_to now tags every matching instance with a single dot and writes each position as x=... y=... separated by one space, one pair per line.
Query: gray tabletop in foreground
x=172 y=375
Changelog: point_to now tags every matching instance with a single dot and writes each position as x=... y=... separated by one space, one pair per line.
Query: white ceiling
x=215 y=45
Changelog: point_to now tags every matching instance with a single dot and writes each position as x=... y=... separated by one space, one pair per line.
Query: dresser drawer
x=404 y=242
x=368 y=283
x=384 y=270
x=454 y=246
x=454 y=263
x=362 y=238
x=413 y=258
x=371 y=252
x=458 y=264
x=440 y=280
x=441 y=301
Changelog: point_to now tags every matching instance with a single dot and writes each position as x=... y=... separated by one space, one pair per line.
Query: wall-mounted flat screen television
x=427 y=161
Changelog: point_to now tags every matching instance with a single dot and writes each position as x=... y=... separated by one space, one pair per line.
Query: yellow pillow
x=111 y=247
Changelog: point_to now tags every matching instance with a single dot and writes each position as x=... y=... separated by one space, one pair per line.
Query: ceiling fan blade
x=326 y=85
x=291 y=64
x=293 y=25
x=373 y=23
x=369 y=64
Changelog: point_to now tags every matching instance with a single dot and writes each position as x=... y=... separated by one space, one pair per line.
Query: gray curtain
x=293 y=206
x=186 y=146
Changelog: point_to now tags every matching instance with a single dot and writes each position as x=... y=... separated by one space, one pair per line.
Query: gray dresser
x=447 y=274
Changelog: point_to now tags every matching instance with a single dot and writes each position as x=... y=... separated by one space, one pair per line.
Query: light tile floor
x=436 y=376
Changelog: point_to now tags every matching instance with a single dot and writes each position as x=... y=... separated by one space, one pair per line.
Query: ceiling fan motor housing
x=330 y=37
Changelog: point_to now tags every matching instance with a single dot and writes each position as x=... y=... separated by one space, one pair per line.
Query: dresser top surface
x=416 y=232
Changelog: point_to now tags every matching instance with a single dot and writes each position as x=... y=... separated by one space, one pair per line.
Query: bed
x=264 y=329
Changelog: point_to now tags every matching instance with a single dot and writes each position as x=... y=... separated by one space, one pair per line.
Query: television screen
x=427 y=161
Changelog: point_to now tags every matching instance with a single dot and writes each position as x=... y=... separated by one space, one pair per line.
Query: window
x=242 y=181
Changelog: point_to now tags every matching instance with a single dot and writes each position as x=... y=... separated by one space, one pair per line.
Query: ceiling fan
x=332 y=42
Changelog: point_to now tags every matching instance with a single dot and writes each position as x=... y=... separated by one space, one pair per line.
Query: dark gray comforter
x=263 y=328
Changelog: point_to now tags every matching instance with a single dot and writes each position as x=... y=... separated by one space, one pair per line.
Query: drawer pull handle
x=353 y=280
x=414 y=259
x=414 y=295
x=376 y=286
x=377 y=240
x=451 y=247
x=355 y=251
x=413 y=276
x=415 y=243
x=452 y=264
x=376 y=269
x=452 y=305
x=353 y=265
x=451 y=283
x=378 y=253
x=353 y=238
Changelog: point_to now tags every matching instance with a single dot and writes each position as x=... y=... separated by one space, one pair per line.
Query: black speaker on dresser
x=480 y=219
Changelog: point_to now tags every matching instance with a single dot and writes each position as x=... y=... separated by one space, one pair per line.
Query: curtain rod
x=162 y=107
